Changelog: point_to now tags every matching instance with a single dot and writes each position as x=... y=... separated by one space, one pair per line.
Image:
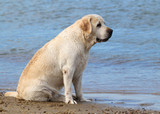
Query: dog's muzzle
x=109 y=31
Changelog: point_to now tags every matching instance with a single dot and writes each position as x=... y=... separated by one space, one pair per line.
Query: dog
x=61 y=62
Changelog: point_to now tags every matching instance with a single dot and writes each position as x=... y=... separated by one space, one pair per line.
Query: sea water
x=124 y=71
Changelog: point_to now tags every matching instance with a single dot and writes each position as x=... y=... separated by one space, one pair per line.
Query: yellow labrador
x=61 y=61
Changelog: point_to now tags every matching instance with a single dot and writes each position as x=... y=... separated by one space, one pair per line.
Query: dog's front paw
x=70 y=101
x=84 y=100
x=81 y=99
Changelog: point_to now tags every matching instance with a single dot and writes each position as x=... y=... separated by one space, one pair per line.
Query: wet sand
x=10 y=105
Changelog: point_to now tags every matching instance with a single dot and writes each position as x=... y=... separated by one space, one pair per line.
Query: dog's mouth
x=102 y=40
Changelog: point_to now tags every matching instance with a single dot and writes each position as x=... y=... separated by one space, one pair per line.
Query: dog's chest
x=82 y=61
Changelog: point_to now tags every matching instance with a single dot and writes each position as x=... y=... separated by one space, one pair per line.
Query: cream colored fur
x=61 y=62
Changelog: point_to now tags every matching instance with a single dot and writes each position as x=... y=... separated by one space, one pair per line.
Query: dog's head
x=95 y=27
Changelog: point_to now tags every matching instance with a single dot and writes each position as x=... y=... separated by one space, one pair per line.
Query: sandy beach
x=10 y=105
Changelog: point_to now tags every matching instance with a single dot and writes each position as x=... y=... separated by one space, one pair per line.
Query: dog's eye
x=99 y=25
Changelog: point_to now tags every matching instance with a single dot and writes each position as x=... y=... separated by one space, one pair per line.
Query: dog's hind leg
x=43 y=93
x=53 y=94
x=56 y=96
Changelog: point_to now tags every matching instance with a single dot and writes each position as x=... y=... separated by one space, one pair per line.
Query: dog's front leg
x=67 y=79
x=77 y=82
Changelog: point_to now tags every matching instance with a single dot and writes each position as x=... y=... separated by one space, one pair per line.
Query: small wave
x=17 y=51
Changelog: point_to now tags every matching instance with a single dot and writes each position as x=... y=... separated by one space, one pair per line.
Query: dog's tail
x=11 y=94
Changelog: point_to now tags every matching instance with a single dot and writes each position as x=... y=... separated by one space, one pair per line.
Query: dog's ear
x=85 y=24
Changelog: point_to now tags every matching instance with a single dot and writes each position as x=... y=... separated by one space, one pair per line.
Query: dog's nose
x=110 y=31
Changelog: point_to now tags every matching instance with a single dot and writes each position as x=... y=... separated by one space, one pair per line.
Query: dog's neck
x=88 y=41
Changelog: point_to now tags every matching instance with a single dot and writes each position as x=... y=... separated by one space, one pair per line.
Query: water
x=126 y=68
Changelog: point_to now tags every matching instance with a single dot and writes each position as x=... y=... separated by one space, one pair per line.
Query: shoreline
x=10 y=105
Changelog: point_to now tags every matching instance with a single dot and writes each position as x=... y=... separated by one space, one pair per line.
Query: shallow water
x=128 y=64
